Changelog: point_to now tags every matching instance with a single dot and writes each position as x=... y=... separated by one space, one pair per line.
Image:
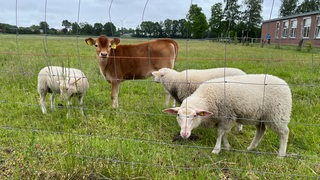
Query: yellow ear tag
x=89 y=42
x=113 y=46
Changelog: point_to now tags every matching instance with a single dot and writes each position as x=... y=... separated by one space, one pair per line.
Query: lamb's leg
x=168 y=97
x=217 y=147
x=81 y=105
x=239 y=127
x=69 y=106
x=114 y=93
x=284 y=135
x=225 y=141
x=259 y=133
x=43 y=102
x=52 y=101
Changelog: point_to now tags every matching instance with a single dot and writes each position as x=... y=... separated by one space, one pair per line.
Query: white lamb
x=260 y=100
x=66 y=81
x=182 y=84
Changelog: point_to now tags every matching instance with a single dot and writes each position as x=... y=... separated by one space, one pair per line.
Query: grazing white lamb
x=260 y=100
x=66 y=81
x=182 y=84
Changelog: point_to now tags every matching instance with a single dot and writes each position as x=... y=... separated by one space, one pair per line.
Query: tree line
x=226 y=20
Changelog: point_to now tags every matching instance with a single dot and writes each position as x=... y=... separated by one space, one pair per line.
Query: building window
x=284 y=29
x=277 y=30
x=293 y=28
x=306 y=27
x=317 y=31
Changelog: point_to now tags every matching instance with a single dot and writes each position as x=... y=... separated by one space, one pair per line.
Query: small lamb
x=66 y=81
x=260 y=100
x=182 y=84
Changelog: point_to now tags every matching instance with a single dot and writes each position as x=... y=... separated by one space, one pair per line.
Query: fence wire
x=122 y=137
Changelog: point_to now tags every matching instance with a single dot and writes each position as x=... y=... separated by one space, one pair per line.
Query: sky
x=122 y=13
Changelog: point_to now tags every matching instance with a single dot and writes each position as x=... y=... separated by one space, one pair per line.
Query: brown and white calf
x=132 y=61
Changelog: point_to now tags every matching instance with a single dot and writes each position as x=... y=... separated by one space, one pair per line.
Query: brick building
x=293 y=29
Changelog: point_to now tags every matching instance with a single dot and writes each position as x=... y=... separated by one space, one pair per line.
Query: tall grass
x=135 y=140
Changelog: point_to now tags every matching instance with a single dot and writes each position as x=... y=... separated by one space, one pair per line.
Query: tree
x=183 y=29
x=86 y=28
x=158 y=31
x=232 y=13
x=215 y=21
x=75 y=28
x=97 y=29
x=109 y=29
x=66 y=25
x=168 y=27
x=288 y=7
x=147 y=28
x=44 y=26
x=198 y=21
x=252 y=16
x=308 y=6
x=175 y=25
x=35 y=29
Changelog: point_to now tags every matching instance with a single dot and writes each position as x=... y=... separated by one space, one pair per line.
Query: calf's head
x=103 y=46
x=188 y=118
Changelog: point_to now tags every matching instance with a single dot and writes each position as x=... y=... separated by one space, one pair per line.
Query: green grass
x=135 y=140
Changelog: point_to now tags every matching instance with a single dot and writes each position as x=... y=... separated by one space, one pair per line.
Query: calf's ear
x=171 y=110
x=89 y=41
x=115 y=41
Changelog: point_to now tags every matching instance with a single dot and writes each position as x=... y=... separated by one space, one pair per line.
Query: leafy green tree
x=66 y=25
x=86 y=28
x=158 y=31
x=232 y=14
x=109 y=29
x=288 y=7
x=215 y=26
x=183 y=29
x=147 y=28
x=75 y=28
x=44 y=26
x=35 y=29
x=7 y=28
x=97 y=29
x=168 y=27
x=308 y=6
x=175 y=25
x=252 y=16
x=198 y=21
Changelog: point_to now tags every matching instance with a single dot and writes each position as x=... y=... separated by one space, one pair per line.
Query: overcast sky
x=123 y=13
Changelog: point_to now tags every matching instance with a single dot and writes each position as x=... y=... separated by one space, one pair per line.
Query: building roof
x=292 y=16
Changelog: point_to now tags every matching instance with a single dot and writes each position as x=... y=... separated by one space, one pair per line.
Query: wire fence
x=80 y=141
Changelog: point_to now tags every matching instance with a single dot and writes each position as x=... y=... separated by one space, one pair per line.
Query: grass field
x=135 y=140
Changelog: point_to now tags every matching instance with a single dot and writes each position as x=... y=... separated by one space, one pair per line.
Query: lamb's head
x=103 y=46
x=160 y=73
x=188 y=118
x=68 y=87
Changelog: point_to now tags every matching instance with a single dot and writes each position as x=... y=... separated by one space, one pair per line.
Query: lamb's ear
x=201 y=112
x=171 y=110
x=156 y=73
x=89 y=41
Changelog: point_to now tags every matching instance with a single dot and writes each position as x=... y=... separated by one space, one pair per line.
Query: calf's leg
x=114 y=93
